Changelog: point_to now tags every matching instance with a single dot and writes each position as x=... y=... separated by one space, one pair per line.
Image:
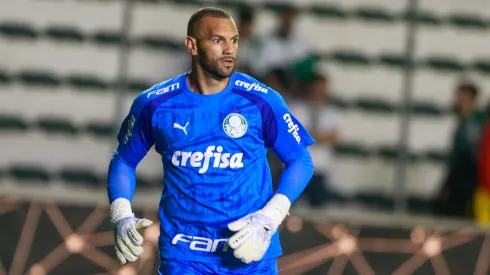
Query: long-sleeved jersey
x=213 y=149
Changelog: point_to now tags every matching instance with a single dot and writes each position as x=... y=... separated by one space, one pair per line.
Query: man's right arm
x=135 y=139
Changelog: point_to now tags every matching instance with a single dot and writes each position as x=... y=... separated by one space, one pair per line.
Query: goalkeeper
x=212 y=127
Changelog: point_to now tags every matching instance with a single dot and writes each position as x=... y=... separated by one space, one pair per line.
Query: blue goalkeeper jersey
x=213 y=150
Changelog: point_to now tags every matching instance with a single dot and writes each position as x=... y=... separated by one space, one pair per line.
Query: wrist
x=120 y=209
x=277 y=208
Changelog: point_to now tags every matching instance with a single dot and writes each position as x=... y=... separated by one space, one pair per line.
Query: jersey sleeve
x=282 y=131
x=135 y=135
x=135 y=139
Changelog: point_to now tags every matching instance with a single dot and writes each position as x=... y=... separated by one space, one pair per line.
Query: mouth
x=228 y=62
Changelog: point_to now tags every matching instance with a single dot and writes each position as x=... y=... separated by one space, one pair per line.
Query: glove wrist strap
x=277 y=208
x=120 y=209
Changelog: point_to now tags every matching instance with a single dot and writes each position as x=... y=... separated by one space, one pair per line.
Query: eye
x=218 y=40
x=235 y=40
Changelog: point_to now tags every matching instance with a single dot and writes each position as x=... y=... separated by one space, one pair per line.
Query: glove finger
x=240 y=237
x=125 y=251
x=238 y=224
x=135 y=250
x=242 y=251
x=120 y=256
x=245 y=252
x=134 y=235
x=142 y=224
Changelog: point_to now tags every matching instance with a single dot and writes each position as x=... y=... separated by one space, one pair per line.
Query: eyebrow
x=220 y=36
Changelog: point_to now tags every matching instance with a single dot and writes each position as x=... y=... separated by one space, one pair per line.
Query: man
x=212 y=127
x=461 y=180
x=284 y=47
x=323 y=122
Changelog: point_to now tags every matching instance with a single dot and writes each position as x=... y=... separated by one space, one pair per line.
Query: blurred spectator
x=278 y=80
x=283 y=47
x=458 y=188
x=250 y=43
x=322 y=120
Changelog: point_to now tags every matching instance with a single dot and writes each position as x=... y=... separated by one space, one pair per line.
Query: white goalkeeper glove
x=256 y=230
x=128 y=241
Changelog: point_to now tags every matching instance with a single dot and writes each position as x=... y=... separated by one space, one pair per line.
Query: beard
x=214 y=67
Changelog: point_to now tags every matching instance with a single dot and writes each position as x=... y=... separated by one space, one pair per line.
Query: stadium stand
x=60 y=62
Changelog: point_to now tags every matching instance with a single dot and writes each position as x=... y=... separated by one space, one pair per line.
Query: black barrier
x=40 y=238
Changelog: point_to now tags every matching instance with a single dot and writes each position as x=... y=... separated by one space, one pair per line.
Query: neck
x=204 y=83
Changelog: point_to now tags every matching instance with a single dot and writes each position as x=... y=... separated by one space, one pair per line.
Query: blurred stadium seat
x=60 y=62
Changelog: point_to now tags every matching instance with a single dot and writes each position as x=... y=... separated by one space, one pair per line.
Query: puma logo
x=178 y=126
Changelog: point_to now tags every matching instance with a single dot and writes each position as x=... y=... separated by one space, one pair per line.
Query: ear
x=191 y=45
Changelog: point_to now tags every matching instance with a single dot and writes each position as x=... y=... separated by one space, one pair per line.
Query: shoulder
x=250 y=87
x=161 y=90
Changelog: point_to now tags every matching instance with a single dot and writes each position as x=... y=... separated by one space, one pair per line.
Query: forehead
x=217 y=26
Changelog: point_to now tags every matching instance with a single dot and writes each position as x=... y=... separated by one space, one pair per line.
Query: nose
x=229 y=48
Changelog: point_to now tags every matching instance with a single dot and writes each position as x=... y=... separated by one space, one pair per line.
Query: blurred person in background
x=322 y=120
x=458 y=188
x=250 y=43
x=284 y=46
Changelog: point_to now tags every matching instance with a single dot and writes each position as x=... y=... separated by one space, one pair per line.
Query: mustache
x=227 y=58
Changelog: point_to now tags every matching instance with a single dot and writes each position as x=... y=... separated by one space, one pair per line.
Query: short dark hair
x=469 y=87
x=200 y=14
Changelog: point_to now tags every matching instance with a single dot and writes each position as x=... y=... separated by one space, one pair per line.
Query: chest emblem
x=235 y=125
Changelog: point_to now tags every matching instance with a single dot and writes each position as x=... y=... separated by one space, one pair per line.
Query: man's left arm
x=289 y=139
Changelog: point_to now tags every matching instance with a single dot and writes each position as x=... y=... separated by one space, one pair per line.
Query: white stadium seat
x=369 y=129
x=85 y=15
x=448 y=7
x=351 y=82
x=463 y=44
x=157 y=65
x=80 y=107
x=431 y=133
x=435 y=87
x=60 y=58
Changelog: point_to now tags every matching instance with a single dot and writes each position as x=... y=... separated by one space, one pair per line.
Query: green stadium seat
x=482 y=66
x=376 y=201
x=427 y=109
x=424 y=18
x=339 y=103
x=278 y=6
x=374 y=105
x=160 y=43
x=143 y=182
x=17 y=30
x=102 y=130
x=79 y=176
x=107 y=38
x=352 y=150
x=38 y=78
x=435 y=156
x=393 y=60
x=350 y=58
x=12 y=123
x=138 y=85
x=391 y=153
x=56 y=126
x=5 y=78
x=87 y=82
x=64 y=33
x=26 y=173
x=328 y=11
x=445 y=64
x=373 y=14
x=468 y=21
